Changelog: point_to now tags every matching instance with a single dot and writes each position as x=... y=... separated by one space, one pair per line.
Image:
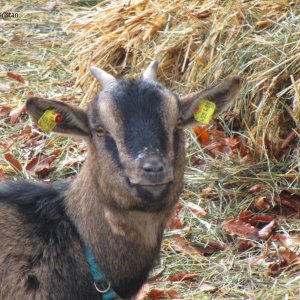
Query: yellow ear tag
x=49 y=120
x=205 y=111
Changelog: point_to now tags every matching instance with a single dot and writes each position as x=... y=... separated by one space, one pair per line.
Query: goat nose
x=154 y=166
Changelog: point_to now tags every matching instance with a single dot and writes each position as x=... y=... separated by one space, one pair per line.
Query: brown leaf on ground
x=292 y=242
x=13 y=162
x=15 y=76
x=5 y=110
x=184 y=275
x=16 y=113
x=255 y=219
x=212 y=246
x=241 y=229
x=244 y=245
x=216 y=142
x=289 y=256
x=181 y=245
x=205 y=287
x=263 y=203
x=201 y=133
x=288 y=260
x=256 y=188
x=40 y=166
x=276 y=268
x=159 y=294
x=176 y=221
x=266 y=231
x=196 y=209
x=290 y=199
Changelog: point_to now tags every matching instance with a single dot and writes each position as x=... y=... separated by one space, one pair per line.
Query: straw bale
x=198 y=43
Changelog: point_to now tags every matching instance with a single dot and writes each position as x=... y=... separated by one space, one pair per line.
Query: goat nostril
x=155 y=167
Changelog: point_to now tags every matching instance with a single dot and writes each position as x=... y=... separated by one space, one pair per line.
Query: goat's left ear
x=73 y=120
x=221 y=95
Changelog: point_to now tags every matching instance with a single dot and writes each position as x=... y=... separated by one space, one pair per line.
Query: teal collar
x=102 y=285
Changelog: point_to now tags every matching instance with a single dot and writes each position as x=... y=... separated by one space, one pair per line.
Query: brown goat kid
x=118 y=205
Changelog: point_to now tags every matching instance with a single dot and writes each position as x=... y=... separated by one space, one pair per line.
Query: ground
x=236 y=230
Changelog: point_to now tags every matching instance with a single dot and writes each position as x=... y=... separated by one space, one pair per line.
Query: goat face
x=134 y=129
x=136 y=120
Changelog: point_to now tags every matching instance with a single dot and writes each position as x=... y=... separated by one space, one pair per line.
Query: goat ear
x=73 y=121
x=221 y=95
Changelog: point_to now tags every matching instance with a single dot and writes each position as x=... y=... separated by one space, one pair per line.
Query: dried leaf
x=176 y=221
x=266 y=231
x=40 y=166
x=287 y=260
x=196 y=209
x=289 y=199
x=201 y=133
x=15 y=76
x=13 y=162
x=16 y=113
x=205 y=287
x=291 y=242
x=181 y=276
x=157 y=294
x=4 y=111
x=258 y=188
x=211 y=246
x=261 y=219
x=181 y=245
x=249 y=217
x=245 y=245
x=288 y=255
x=241 y=229
x=263 y=203
x=277 y=268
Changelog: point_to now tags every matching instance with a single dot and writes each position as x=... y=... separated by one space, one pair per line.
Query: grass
x=197 y=43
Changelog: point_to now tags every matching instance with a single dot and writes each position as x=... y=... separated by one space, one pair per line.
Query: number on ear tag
x=205 y=111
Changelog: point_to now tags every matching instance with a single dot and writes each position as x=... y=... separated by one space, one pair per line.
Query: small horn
x=106 y=80
x=151 y=72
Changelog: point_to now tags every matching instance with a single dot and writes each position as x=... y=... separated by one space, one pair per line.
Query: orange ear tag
x=49 y=120
x=205 y=111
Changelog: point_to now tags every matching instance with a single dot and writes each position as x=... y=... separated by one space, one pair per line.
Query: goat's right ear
x=73 y=121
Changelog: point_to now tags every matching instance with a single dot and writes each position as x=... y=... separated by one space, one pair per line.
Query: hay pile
x=199 y=42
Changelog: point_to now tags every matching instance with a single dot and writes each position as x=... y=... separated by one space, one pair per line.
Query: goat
x=118 y=205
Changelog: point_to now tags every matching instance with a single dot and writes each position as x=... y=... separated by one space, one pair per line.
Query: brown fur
x=122 y=230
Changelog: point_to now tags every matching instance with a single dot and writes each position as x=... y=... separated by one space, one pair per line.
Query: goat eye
x=101 y=131
x=179 y=124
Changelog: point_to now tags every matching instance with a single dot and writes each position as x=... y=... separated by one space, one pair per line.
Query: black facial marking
x=111 y=147
x=176 y=142
x=140 y=105
x=151 y=203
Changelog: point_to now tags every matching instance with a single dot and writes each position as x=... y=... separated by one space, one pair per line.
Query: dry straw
x=198 y=43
